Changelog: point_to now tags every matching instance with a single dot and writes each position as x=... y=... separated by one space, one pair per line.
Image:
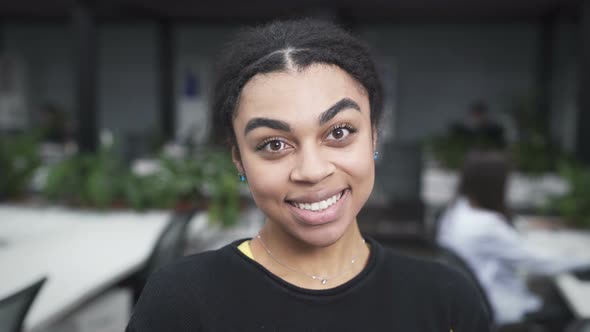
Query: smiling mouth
x=320 y=205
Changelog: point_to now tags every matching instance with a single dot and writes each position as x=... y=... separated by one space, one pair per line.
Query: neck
x=295 y=260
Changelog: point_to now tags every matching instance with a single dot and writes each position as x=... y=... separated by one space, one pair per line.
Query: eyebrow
x=327 y=115
x=343 y=104
x=265 y=122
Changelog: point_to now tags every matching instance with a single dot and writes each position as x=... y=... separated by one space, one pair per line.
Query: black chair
x=582 y=325
x=433 y=224
x=14 y=308
x=169 y=247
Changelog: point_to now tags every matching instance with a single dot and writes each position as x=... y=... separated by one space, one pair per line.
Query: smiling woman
x=300 y=102
x=304 y=140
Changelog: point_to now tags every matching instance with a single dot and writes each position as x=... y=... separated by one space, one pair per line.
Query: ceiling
x=352 y=10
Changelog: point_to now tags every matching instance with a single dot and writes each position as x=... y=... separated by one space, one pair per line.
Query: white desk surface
x=439 y=187
x=564 y=242
x=576 y=293
x=81 y=253
x=567 y=243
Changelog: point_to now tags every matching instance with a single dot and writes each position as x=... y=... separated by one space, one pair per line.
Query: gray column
x=165 y=44
x=544 y=72
x=1 y=36
x=583 y=119
x=85 y=40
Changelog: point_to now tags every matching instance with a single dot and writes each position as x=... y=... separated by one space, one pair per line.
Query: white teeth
x=321 y=205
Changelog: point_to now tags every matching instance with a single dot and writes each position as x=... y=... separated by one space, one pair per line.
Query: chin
x=327 y=234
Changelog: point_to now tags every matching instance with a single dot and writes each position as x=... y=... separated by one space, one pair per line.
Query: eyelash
x=346 y=126
x=264 y=143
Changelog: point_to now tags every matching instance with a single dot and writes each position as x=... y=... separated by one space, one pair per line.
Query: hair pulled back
x=284 y=46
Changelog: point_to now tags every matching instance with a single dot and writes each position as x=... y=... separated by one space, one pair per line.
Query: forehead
x=296 y=93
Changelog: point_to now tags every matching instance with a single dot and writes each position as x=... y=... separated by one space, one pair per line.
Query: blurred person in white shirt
x=478 y=227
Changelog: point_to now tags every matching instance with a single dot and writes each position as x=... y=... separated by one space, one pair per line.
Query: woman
x=300 y=102
x=478 y=228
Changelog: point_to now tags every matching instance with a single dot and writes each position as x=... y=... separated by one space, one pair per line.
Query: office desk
x=81 y=253
x=569 y=243
x=439 y=186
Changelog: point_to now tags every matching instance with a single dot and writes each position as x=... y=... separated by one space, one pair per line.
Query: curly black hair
x=283 y=46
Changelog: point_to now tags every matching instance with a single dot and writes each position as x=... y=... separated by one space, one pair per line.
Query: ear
x=237 y=159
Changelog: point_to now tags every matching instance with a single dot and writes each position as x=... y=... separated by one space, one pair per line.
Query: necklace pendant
x=324 y=281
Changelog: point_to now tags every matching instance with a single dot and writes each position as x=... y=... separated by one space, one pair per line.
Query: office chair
x=582 y=325
x=14 y=308
x=169 y=247
x=433 y=224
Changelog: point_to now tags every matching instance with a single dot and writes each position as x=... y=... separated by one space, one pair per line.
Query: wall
x=46 y=52
x=128 y=89
x=442 y=68
x=196 y=48
x=564 y=86
x=438 y=69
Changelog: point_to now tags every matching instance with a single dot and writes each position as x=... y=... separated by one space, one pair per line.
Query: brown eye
x=338 y=133
x=275 y=145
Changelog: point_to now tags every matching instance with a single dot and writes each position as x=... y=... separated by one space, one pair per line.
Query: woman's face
x=306 y=145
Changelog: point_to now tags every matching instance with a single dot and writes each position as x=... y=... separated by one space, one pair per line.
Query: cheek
x=357 y=160
x=359 y=165
x=266 y=180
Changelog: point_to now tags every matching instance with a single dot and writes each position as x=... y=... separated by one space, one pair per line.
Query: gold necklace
x=323 y=280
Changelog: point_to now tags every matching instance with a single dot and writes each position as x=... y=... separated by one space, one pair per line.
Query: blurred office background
x=107 y=148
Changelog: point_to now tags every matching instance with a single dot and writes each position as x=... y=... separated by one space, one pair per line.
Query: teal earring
x=242 y=177
x=375 y=155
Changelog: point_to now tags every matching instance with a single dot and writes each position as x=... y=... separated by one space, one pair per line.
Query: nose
x=311 y=166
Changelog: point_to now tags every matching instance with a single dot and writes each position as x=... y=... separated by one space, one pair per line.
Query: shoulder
x=196 y=263
x=177 y=290
x=425 y=273
x=198 y=271
x=186 y=272
x=447 y=290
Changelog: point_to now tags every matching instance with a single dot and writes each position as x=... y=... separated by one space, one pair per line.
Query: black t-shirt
x=224 y=290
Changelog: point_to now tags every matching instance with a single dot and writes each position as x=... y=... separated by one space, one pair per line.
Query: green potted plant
x=19 y=158
x=574 y=206
x=533 y=153
x=205 y=180
x=450 y=149
x=172 y=183
x=222 y=186
x=88 y=179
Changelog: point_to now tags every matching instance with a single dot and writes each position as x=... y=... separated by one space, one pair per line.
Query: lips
x=317 y=210
x=319 y=205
